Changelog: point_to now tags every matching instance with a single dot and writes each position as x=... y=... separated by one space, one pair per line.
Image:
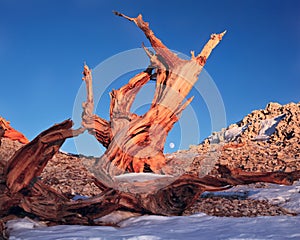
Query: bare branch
x=209 y=46
x=183 y=106
x=122 y=99
x=88 y=106
x=29 y=161
x=156 y=43
x=97 y=126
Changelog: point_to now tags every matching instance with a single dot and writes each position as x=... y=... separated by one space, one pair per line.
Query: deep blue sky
x=43 y=45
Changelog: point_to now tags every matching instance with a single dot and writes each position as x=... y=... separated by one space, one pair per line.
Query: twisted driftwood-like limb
x=96 y=126
x=239 y=177
x=136 y=143
x=29 y=161
x=22 y=170
x=156 y=43
x=173 y=199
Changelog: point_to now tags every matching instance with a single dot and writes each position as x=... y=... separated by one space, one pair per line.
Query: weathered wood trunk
x=135 y=143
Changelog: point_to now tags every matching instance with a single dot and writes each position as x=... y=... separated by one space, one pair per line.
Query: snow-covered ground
x=199 y=226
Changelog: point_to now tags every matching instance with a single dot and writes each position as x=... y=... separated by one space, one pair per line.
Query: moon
x=171 y=145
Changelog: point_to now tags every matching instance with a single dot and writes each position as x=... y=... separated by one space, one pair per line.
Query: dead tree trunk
x=136 y=142
x=132 y=143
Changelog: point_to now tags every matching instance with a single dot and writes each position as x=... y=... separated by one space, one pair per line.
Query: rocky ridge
x=281 y=152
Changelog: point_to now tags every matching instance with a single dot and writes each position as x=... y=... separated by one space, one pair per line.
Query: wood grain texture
x=136 y=143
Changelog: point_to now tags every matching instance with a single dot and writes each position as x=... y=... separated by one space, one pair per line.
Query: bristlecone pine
x=134 y=144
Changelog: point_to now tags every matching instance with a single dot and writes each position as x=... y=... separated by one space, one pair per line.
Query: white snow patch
x=140 y=177
x=198 y=226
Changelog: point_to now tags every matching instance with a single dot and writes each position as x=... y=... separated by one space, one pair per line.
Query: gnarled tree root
x=23 y=189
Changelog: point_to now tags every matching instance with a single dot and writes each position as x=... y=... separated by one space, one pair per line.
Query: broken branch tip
x=223 y=33
x=192 y=54
x=117 y=13
x=123 y=15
